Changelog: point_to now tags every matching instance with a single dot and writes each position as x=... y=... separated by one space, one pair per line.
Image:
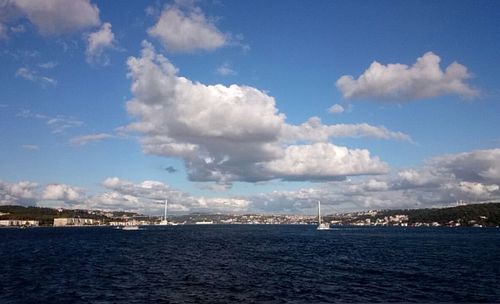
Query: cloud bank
x=441 y=181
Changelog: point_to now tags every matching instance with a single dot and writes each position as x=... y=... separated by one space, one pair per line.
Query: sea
x=250 y=264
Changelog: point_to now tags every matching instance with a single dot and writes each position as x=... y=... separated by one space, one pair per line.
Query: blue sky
x=237 y=100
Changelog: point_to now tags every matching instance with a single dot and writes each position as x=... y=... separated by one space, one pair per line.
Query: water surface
x=249 y=263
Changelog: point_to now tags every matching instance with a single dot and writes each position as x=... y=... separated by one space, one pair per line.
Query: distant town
x=472 y=215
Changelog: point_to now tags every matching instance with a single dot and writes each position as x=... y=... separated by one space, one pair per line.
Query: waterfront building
x=61 y=222
x=19 y=223
x=204 y=223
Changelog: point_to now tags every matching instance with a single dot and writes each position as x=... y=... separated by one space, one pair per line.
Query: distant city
x=473 y=215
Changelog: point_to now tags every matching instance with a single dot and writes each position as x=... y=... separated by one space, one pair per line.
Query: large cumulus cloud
x=234 y=133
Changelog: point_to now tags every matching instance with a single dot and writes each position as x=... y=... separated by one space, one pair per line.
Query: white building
x=66 y=221
x=204 y=223
x=19 y=223
x=128 y=223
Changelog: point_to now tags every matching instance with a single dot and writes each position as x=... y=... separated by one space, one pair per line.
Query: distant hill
x=486 y=214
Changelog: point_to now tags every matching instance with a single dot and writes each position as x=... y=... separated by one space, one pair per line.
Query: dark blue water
x=240 y=263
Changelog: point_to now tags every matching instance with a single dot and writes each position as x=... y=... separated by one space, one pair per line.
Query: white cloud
x=26 y=74
x=399 y=82
x=85 y=139
x=148 y=197
x=150 y=190
x=218 y=130
x=336 y=109
x=55 y=17
x=58 y=124
x=295 y=201
x=186 y=30
x=217 y=187
x=48 y=65
x=33 y=76
x=441 y=181
x=476 y=166
x=20 y=193
x=223 y=204
x=30 y=147
x=22 y=55
x=226 y=133
x=313 y=130
x=370 y=185
x=153 y=10
x=62 y=192
x=145 y=197
x=225 y=70
x=475 y=189
x=324 y=161
x=98 y=42
x=18 y=28
x=426 y=177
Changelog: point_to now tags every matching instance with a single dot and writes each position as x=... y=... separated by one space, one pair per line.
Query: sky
x=249 y=106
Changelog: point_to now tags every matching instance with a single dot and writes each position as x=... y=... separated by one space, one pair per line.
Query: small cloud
x=26 y=74
x=336 y=109
x=61 y=123
x=98 y=42
x=62 y=192
x=153 y=11
x=30 y=147
x=33 y=76
x=18 y=29
x=225 y=70
x=48 y=65
x=68 y=45
x=57 y=124
x=216 y=187
x=399 y=82
x=85 y=139
x=170 y=169
x=184 y=28
x=21 y=55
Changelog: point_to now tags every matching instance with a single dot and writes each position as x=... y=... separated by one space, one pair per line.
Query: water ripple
x=264 y=264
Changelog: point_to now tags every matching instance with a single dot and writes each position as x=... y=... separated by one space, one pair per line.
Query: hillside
x=46 y=216
x=487 y=214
